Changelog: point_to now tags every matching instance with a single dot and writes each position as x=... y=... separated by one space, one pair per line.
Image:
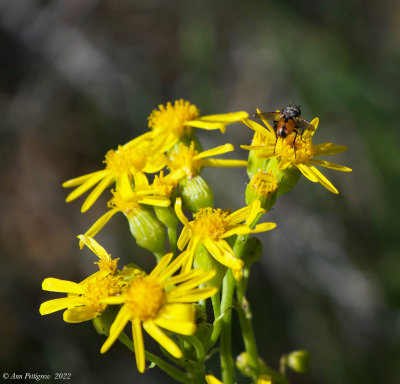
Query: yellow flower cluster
x=154 y=178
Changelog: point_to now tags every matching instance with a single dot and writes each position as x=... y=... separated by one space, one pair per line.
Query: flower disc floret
x=145 y=297
x=264 y=183
x=186 y=159
x=210 y=223
x=299 y=153
x=127 y=160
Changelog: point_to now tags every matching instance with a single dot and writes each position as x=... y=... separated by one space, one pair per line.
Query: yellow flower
x=128 y=201
x=293 y=151
x=157 y=301
x=168 y=123
x=84 y=300
x=187 y=161
x=125 y=165
x=212 y=226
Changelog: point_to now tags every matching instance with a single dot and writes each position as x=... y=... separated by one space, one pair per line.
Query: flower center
x=100 y=288
x=163 y=186
x=123 y=160
x=145 y=298
x=210 y=223
x=109 y=266
x=264 y=183
x=184 y=160
x=172 y=118
x=300 y=153
x=127 y=206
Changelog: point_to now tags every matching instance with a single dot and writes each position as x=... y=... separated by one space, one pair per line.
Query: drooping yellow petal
x=158 y=201
x=138 y=345
x=95 y=247
x=221 y=251
x=99 y=224
x=245 y=230
x=195 y=280
x=328 y=149
x=323 y=180
x=223 y=163
x=238 y=216
x=254 y=210
x=79 y=314
x=124 y=185
x=210 y=379
x=184 y=238
x=305 y=170
x=158 y=335
x=90 y=200
x=328 y=164
x=215 y=151
x=116 y=328
x=63 y=286
x=178 y=318
x=94 y=178
x=179 y=212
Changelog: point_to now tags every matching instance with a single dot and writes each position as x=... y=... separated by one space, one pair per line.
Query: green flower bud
x=148 y=231
x=252 y=251
x=263 y=186
x=299 y=361
x=203 y=260
x=255 y=164
x=196 y=194
x=167 y=216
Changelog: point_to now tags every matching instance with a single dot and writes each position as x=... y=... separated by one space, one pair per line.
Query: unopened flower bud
x=147 y=230
x=299 y=361
x=263 y=186
x=196 y=193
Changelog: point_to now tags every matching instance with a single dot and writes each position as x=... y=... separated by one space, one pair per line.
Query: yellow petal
x=183 y=276
x=226 y=117
x=89 y=183
x=179 y=213
x=82 y=179
x=258 y=128
x=208 y=125
x=155 y=163
x=305 y=170
x=308 y=133
x=215 y=151
x=238 y=216
x=90 y=200
x=114 y=300
x=328 y=164
x=192 y=296
x=98 y=225
x=124 y=186
x=116 y=328
x=328 y=149
x=223 y=253
x=184 y=237
x=139 y=345
x=140 y=180
x=267 y=123
x=62 y=286
x=255 y=209
x=157 y=201
x=210 y=379
x=158 y=335
x=173 y=267
x=79 y=314
x=95 y=247
x=323 y=180
x=223 y=163
x=178 y=318
x=55 y=305
x=196 y=280
x=160 y=267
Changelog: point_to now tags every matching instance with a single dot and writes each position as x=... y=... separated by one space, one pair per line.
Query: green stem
x=173 y=239
x=216 y=303
x=198 y=346
x=227 y=363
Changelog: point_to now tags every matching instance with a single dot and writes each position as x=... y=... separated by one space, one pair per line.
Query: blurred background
x=79 y=77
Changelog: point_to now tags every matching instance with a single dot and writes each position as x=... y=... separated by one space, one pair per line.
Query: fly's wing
x=269 y=116
x=304 y=125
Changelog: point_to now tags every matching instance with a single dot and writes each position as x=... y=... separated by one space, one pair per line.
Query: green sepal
x=196 y=194
x=298 y=361
x=203 y=260
x=267 y=201
x=148 y=231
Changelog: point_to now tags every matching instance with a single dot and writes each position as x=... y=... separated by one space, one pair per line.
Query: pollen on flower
x=173 y=117
x=109 y=266
x=299 y=154
x=145 y=298
x=264 y=183
x=100 y=288
x=125 y=160
x=124 y=205
x=184 y=159
x=210 y=223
